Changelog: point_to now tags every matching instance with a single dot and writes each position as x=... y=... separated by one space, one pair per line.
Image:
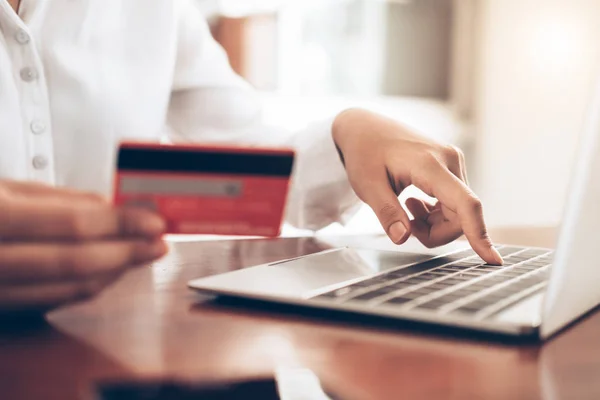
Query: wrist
x=343 y=124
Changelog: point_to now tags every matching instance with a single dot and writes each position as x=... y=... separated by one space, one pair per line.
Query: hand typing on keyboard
x=459 y=283
x=382 y=158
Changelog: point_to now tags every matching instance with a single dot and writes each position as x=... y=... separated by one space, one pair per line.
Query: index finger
x=437 y=181
x=73 y=218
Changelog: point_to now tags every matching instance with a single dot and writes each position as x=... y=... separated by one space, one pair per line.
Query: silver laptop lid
x=574 y=286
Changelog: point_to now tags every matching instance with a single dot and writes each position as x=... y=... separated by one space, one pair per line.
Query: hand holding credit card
x=202 y=189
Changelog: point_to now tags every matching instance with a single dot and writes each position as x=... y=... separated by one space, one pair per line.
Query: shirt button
x=39 y=162
x=28 y=74
x=22 y=37
x=37 y=126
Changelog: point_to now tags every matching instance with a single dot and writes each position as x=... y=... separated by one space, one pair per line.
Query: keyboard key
x=452 y=281
x=507 y=291
x=536 y=263
x=451 y=269
x=535 y=278
x=528 y=282
x=398 y=273
x=509 y=279
x=520 y=257
x=535 y=252
x=455 y=268
x=478 y=272
x=476 y=305
x=399 y=300
x=420 y=278
x=506 y=251
x=328 y=295
x=404 y=272
x=367 y=296
x=482 y=285
x=498 y=295
x=411 y=295
x=436 y=286
x=480 y=303
x=496 y=280
x=378 y=280
x=429 y=276
x=471 y=263
x=444 y=283
x=459 y=294
x=493 y=297
x=526 y=268
x=428 y=289
x=466 y=275
x=416 y=280
x=401 y=285
x=466 y=310
x=447 y=299
x=434 y=263
x=482 y=282
x=508 y=263
x=438 y=273
x=507 y=275
x=467 y=290
x=421 y=292
x=374 y=294
x=431 y=305
x=517 y=286
x=465 y=278
x=495 y=267
x=511 y=261
x=487 y=268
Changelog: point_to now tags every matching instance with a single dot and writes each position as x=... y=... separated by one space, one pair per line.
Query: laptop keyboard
x=460 y=283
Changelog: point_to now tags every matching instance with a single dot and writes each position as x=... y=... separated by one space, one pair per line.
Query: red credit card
x=202 y=189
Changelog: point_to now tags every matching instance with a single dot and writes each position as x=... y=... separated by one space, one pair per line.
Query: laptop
x=537 y=292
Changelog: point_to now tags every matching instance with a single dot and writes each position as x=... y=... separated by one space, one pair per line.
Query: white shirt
x=79 y=76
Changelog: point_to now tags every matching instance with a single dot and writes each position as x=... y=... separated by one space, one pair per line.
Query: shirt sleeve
x=211 y=103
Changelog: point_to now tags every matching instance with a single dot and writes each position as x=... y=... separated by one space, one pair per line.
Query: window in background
x=341 y=47
x=366 y=47
x=335 y=47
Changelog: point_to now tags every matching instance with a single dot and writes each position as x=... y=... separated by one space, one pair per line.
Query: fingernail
x=397 y=232
x=497 y=256
x=153 y=225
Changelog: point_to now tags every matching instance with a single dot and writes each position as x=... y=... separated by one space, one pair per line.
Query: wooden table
x=150 y=324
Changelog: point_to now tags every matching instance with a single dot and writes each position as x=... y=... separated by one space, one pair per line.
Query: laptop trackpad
x=300 y=277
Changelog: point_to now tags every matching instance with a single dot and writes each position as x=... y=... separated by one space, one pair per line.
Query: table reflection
x=150 y=324
x=569 y=364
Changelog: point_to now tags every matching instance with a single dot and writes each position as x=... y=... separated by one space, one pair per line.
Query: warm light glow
x=556 y=45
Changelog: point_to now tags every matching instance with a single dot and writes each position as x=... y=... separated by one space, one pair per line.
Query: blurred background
x=508 y=81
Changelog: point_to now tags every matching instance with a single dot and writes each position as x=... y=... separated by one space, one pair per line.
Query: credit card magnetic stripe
x=141 y=185
x=205 y=161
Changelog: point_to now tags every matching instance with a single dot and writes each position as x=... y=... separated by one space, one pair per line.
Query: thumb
x=390 y=213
